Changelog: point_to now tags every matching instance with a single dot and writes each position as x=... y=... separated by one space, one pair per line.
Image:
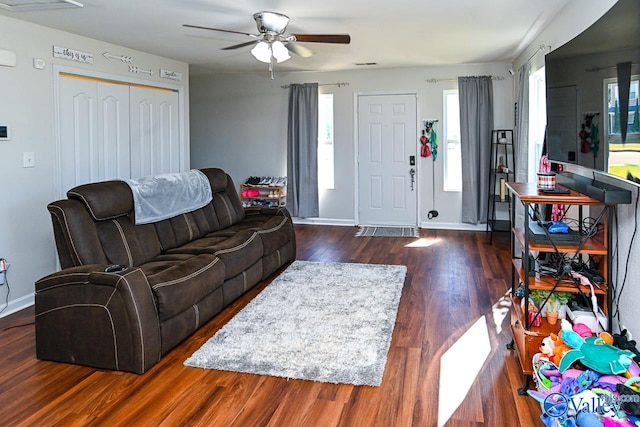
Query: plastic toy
x=599 y=356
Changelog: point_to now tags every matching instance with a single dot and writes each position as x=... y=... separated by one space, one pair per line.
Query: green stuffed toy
x=597 y=355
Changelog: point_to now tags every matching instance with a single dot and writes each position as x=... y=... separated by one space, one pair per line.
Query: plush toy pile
x=587 y=381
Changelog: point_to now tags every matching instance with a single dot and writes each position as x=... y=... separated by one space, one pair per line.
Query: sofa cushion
x=238 y=251
x=104 y=200
x=178 y=282
x=226 y=201
x=121 y=241
x=186 y=227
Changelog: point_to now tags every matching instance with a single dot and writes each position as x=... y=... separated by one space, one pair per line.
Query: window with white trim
x=451 y=141
x=618 y=153
x=325 y=142
x=537 y=121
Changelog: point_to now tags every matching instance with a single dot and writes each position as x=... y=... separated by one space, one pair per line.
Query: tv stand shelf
x=596 y=244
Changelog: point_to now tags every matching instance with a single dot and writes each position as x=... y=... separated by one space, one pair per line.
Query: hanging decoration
x=138 y=70
x=429 y=140
x=124 y=58
x=425 y=150
x=589 y=141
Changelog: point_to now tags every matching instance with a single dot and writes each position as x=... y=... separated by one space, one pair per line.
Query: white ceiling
x=400 y=33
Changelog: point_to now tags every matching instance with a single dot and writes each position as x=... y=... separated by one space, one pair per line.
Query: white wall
x=572 y=20
x=239 y=123
x=26 y=104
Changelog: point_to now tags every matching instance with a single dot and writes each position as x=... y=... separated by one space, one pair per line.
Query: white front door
x=387 y=139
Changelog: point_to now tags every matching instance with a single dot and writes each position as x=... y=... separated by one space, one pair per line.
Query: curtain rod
x=321 y=84
x=455 y=80
x=541 y=48
x=594 y=69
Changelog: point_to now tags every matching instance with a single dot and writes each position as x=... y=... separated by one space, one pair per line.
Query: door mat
x=388 y=232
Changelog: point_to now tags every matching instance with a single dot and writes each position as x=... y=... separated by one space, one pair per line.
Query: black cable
x=612 y=284
x=626 y=267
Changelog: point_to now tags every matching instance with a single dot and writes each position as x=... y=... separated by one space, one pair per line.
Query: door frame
x=116 y=78
x=356 y=146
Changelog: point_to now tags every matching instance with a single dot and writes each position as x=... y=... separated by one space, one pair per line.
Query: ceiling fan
x=271 y=42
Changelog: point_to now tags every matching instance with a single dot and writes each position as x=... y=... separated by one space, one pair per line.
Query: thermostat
x=4 y=133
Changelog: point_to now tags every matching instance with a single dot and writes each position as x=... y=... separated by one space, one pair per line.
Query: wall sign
x=72 y=55
x=172 y=75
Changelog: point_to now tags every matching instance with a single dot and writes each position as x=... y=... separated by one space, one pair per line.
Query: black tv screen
x=590 y=121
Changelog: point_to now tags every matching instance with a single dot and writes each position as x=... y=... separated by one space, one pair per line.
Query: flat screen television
x=585 y=98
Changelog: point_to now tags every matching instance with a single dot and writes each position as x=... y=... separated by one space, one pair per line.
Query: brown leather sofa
x=178 y=274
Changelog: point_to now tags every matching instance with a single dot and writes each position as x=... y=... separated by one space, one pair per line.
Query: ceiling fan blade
x=300 y=50
x=218 y=29
x=238 y=46
x=323 y=38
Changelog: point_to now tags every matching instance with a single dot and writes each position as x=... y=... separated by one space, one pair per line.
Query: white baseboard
x=325 y=221
x=18 y=304
x=428 y=225
x=453 y=226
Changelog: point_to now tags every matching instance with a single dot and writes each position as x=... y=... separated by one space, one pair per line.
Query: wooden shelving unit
x=270 y=195
x=526 y=337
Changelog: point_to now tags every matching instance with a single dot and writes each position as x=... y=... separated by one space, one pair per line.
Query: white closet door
x=113 y=131
x=155 y=130
x=93 y=131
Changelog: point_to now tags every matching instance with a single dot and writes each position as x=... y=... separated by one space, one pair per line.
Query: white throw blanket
x=164 y=196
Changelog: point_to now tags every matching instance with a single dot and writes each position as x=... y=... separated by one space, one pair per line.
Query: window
x=537 y=121
x=325 y=142
x=618 y=152
x=452 y=150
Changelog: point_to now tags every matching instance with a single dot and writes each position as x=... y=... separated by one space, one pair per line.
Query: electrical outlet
x=629 y=336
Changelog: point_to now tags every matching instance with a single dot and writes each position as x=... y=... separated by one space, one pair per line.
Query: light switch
x=28 y=159
x=38 y=63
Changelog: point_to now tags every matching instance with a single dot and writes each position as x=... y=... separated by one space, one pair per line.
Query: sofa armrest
x=105 y=320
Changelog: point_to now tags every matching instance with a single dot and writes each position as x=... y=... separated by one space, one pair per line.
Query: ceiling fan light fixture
x=262 y=52
x=271 y=22
x=280 y=52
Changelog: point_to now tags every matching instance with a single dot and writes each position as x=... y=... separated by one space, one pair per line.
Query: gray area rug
x=387 y=232
x=327 y=322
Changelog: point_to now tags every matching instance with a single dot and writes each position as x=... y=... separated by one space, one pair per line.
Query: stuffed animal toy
x=583 y=330
x=546 y=348
x=597 y=355
x=623 y=342
x=572 y=339
x=559 y=347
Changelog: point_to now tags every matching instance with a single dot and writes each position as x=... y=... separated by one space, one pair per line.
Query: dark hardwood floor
x=447 y=364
